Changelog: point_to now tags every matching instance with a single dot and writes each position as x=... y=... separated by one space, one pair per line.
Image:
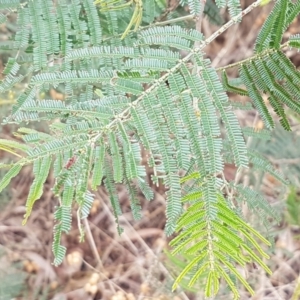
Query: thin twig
x=92 y=244
x=171 y=21
x=258 y=55
x=142 y=242
x=109 y=280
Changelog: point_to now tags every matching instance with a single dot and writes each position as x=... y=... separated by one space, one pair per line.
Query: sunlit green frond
x=10 y=144
x=41 y=168
x=216 y=239
x=13 y=171
x=58 y=250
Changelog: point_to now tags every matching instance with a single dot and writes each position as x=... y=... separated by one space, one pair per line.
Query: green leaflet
x=13 y=171
x=278 y=26
x=113 y=197
x=231 y=88
x=256 y=97
x=131 y=154
x=41 y=170
x=86 y=204
x=274 y=75
x=234 y=7
x=10 y=146
x=93 y=22
x=117 y=158
x=128 y=86
x=266 y=33
x=294 y=41
x=134 y=202
x=213 y=13
x=98 y=173
x=38 y=29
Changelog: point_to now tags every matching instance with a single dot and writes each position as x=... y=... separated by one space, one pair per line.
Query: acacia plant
x=135 y=77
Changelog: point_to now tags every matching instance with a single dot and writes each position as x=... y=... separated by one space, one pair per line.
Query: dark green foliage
x=231 y=88
x=272 y=74
x=213 y=13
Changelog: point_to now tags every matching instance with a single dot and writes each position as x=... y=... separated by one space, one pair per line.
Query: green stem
x=167 y=22
x=259 y=55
